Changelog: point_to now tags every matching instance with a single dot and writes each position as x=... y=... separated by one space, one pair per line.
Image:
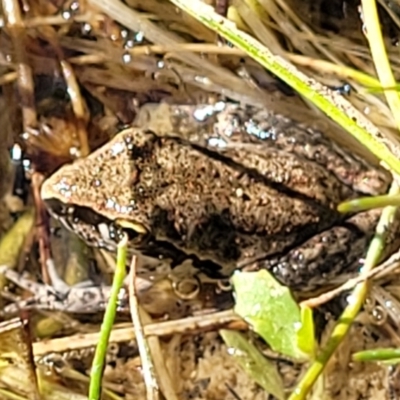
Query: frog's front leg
x=328 y=257
x=85 y=297
x=58 y=296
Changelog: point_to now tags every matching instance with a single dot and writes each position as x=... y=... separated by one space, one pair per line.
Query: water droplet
x=128 y=139
x=117 y=148
x=389 y=303
x=66 y=15
x=231 y=351
x=351 y=299
x=96 y=182
x=239 y=192
x=129 y=44
x=124 y=209
x=379 y=315
x=160 y=64
x=126 y=58
x=297 y=326
x=63 y=187
x=74 y=6
x=110 y=203
x=202 y=79
x=297 y=391
x=74 y=151
x=86 y=28
x=26 y=164
x=139 y=37
x=253 y=129
x=16 y=152
x=201 y=114
x=217 y=142
x=220 y=106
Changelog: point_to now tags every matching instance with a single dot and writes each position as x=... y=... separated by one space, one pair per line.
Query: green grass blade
x=96 y=372
x=330 y=102
x=382 y=354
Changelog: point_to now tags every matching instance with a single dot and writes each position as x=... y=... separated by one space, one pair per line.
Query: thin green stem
x=96 y=372
x=355 y=302
x=376 y=355
x=359 y=293
x=368 y=203
x=380 y=57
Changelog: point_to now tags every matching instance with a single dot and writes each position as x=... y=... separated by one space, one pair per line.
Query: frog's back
x=223 y=198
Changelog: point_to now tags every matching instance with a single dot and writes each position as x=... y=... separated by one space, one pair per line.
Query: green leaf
x=269 y=308
x=254 y=363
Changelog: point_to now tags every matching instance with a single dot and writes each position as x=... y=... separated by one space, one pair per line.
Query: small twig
x=77 y=101
x=58 y=19
x=192 y=325
x=385 y=268
x=42 y=234
x=163 y=377
x=8 y=78
x=232 y=391
x=132 y=19
x=96 y=372
x=78 y=106
x=16 y=29
x=15 y=333
x=150 y=380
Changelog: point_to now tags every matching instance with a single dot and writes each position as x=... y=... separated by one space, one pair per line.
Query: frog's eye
x=136 y=232
x=130 y=225
x=115 y=230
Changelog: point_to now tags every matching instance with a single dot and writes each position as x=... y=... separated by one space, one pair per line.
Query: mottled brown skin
x=268 y=202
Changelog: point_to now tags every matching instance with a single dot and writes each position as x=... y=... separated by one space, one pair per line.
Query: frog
x=225 y=187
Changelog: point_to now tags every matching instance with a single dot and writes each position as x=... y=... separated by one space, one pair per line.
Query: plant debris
x=73 y=74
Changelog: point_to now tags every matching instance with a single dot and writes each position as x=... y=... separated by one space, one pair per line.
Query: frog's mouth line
x=98 y=231
x=93 y=228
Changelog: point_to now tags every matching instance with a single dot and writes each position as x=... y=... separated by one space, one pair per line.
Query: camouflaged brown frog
x=228 y=187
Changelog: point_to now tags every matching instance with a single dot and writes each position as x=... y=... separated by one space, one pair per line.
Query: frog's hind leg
x=327 y=258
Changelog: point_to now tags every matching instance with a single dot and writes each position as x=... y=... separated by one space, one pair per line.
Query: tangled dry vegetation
x=72 y=74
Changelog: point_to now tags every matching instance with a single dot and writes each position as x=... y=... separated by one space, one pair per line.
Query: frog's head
x=93 y=196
